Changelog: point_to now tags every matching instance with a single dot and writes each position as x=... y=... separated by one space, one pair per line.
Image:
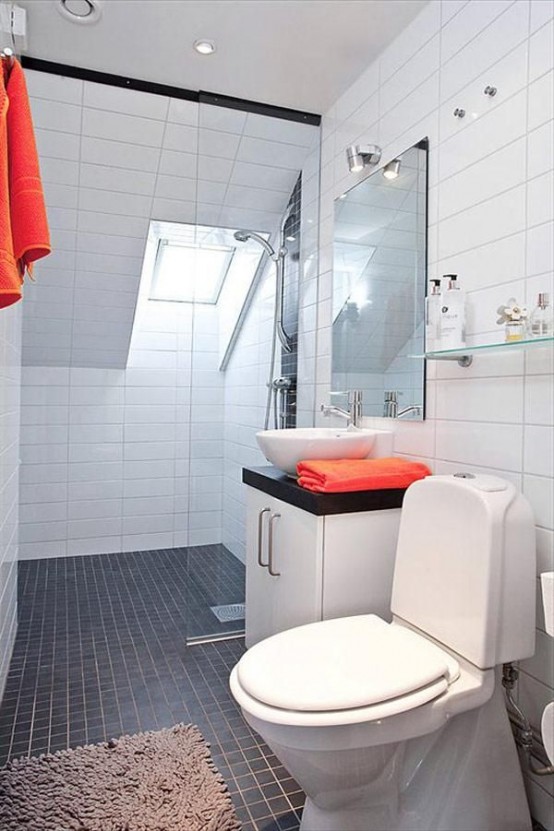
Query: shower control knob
x=490 y=91
x=459 y=112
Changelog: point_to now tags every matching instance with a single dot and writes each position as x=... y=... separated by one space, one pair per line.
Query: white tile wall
x=10 y=381
x=247 y=372
x=491 y=222
x=113 y=158
x=104 y=450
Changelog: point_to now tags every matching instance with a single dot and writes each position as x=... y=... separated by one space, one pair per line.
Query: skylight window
x=190 y=272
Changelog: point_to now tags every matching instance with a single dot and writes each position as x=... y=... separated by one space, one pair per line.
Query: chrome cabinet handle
x=270 y=547
x=260 y=535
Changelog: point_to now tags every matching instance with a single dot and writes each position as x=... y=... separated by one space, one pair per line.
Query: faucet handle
x=355 y=396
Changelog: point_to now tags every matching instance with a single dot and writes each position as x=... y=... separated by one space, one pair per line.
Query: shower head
x=244 y=236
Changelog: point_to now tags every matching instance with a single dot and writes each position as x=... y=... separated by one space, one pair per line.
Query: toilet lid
x=341 y=664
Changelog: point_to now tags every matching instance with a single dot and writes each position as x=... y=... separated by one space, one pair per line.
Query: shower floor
x=101 y=651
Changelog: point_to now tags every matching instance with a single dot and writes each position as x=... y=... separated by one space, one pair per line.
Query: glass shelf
x=464 y=356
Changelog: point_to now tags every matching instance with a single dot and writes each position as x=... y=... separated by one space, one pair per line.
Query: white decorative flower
x=512 y=312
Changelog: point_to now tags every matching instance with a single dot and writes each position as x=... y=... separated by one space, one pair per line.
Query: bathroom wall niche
x=379 y=279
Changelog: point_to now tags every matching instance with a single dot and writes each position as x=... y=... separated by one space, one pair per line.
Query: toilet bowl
x=401 y=726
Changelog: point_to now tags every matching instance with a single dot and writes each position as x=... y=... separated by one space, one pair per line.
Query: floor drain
x=233 y=611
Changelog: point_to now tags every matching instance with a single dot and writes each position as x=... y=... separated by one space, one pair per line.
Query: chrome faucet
x=353 y=414
x=390 y=408
x=413 y=408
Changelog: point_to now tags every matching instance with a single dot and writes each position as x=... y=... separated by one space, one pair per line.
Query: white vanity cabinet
x=302 y=567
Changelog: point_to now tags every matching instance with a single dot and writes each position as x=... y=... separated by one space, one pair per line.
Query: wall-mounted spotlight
x=361 y=155
x=392 y=169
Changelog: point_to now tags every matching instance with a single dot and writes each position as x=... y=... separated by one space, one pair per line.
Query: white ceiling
x=293 y=53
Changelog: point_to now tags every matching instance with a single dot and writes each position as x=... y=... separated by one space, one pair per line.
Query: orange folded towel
x=24 y=235
x=342 y=475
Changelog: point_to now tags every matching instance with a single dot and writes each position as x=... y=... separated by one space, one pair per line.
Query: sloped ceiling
x=111 y=160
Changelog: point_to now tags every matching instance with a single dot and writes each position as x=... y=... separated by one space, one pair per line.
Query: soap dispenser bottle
x=432 y=317
x=452 y=315
x=541 y=324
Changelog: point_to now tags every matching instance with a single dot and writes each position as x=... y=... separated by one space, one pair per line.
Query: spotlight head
x=359 y=156
x=392 y=169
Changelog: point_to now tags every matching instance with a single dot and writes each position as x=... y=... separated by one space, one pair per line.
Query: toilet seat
x=346 y=667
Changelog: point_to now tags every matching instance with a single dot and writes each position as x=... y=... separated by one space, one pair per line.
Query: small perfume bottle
x=541 y=324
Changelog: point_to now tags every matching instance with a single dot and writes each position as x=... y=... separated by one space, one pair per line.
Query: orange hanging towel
x=24 y=235
x=342 y=475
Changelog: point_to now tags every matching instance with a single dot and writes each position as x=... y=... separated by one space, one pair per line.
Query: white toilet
x=401 y=726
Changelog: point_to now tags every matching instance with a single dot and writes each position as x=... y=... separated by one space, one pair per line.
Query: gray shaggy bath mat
x=158 y=781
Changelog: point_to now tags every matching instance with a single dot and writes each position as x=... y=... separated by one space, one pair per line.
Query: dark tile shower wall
x=289 y=360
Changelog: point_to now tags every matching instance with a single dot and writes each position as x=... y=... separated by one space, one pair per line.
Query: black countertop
x=275 y=483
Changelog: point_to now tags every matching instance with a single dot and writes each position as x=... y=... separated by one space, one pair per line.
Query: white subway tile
x=539 y=450
x=541 y=49
x=540 y=249
x=540 y=199
x=183 y=112
x=496 y=218
x=153 y=505
x=508 y=27
x=79 y=529
x=111 y=489
x=55 y=115
x=539 y=400
x=50 y=492
x=119 y=154
x=545 y=550
x=54 y=87
x=42 y=550
x=103 y=545
x=483 y=136
x=148 y=524
x=486 y=444
x=540 y=493
x=128 y=101
x=148 y=487
x=541 y=101
x=94 y=471
x=94 y=509
x=120 y=127
x=487 y=399
x=483 y=180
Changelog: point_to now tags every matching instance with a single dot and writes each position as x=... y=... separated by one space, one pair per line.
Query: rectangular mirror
x=379 y=279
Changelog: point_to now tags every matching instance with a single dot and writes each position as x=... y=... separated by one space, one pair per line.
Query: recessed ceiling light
x=80 y=11
x=204 y=47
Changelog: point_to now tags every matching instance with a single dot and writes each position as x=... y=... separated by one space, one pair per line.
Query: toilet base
x=463 y=777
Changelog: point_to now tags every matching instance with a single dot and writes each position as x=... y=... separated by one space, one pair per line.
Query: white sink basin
x=285 y=448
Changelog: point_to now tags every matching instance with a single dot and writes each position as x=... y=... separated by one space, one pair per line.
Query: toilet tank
x=465 y=567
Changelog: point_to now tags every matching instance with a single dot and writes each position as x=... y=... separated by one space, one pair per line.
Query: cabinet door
x=360 y=551
x=292 y=595
x=258 y=508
